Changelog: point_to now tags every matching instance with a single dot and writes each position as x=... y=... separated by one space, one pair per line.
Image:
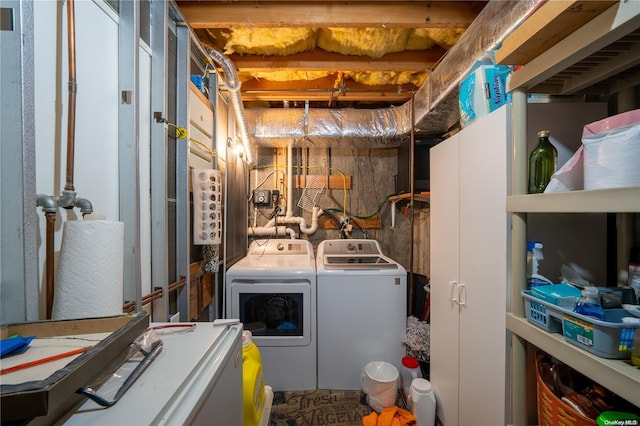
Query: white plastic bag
x=611 y=152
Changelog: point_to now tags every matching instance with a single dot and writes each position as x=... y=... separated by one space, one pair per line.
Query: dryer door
x=278 y=312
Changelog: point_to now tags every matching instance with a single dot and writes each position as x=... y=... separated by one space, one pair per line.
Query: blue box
x=563 y=295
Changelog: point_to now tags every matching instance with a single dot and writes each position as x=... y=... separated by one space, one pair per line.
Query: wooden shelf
x=603 y=55
x=552 y=22
x=618 y=376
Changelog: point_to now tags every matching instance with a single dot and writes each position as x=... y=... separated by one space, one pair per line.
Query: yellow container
x=253 y=380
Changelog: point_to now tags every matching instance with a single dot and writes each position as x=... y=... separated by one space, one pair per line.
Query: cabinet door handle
x=462 y=294
x=453 y=298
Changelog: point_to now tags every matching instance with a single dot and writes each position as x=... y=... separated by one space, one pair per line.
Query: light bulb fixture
x=238 y=149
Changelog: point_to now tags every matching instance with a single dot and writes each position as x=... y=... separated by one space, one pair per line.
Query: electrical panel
x=207 y=209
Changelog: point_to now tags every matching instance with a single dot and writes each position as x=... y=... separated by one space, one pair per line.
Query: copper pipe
x=154 y=295
x=71 y=115
x=412 y=154
x=49 y=267
x=175 y=286
x=129 y=307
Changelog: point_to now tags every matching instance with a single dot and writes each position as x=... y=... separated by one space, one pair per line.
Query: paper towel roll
x=89 y=277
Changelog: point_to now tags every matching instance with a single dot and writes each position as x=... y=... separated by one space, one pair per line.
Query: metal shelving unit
x=601 y=57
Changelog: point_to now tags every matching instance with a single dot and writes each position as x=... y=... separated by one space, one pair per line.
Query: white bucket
x=379 y=380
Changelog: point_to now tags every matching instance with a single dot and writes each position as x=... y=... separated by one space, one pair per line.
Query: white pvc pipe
x=289 y=180
x=270 y=227
x=300 y=221
x=393 y=214
x=263 y=231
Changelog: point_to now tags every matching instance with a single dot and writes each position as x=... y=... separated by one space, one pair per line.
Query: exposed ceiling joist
x=320 y=60
x=350 y=14
x=337 y=52
x=325 y=90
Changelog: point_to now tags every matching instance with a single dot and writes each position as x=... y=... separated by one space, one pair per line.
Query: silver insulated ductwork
x=435 y=104
x=320 y=127
x=233 y=86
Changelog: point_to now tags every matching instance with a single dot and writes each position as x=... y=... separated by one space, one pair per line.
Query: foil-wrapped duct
x=435 y=104
x=318 y=127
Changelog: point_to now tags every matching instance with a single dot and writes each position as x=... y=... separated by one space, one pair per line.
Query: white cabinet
x=468 y=272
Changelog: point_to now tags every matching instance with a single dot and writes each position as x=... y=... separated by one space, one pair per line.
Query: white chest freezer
x=196 y=380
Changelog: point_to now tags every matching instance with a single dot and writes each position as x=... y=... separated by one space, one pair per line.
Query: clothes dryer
x=272 y=291
x=362 y=297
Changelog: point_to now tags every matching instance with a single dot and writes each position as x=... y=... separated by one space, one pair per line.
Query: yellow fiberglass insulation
x=270 y=41
x=419 y=40
x=376 y=78
x=445 y=37
x=374 y=42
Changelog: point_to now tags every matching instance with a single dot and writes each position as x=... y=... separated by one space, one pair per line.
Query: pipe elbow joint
x=84 y=205
x=47 y=202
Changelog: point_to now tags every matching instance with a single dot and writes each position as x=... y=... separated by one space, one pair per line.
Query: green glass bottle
x=542 y=163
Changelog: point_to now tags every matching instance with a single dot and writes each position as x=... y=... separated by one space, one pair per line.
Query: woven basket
x=554 y=412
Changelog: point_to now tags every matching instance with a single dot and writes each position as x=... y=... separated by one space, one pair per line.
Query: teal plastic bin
x=610 y=338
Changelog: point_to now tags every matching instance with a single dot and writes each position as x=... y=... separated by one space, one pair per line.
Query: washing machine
x=362 y=298
x=272 y=290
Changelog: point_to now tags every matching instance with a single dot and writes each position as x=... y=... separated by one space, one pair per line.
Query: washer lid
x=351 y=247
x=358 y=262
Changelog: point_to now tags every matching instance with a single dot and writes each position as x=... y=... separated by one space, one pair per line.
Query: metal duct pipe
x=233 y=85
